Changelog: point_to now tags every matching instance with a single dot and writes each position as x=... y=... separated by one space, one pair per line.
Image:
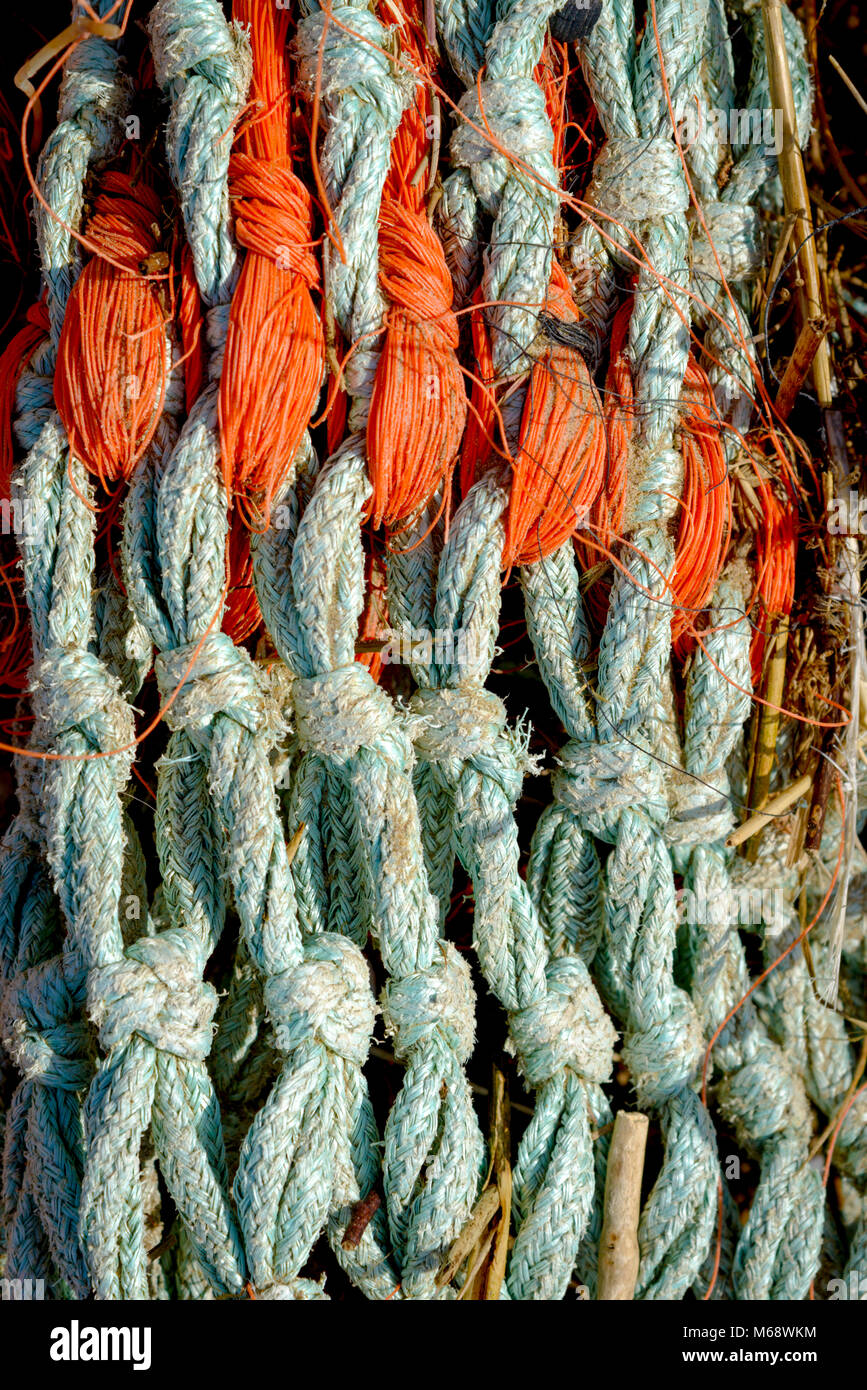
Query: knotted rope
x=759 y=1094
x=156 y=1010
x=470 y=772
x=77 y=705
x=433 y=1150
x=310 y=589
x=296 y=1164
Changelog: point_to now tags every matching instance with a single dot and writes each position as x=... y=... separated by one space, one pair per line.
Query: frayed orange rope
x=242 y=616
x=706 y=509
x=418 y=408
x=275 y=348
x=559 y=465
x=110 y=381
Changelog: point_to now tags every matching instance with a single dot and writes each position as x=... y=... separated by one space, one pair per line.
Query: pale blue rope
x=76 y=702
x=298 y=1168
x=311 y=592
x=476 y=764
x=759 y=1093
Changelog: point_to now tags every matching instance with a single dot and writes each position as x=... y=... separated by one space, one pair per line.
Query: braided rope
x=470 y=765
x=78 y=711
x=812 y=1034
x=760 y=1093
x=638 y=179
x=155 y=1010
x=473 y=767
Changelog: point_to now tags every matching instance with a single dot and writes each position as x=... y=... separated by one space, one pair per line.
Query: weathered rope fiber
x=78 y=710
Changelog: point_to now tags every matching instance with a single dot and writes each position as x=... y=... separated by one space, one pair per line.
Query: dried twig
x=618 y=1244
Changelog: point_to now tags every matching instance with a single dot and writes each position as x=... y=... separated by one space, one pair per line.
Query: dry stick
x=816 y=816
x=799 y=364
x=849 y=83
x=795 y=192
x=778 y=260
x=501 y=1159
x=767 y=724
x=775 y=807
x=362 y=1214
x=849 y=592
x=482 y=1214
x=618 y=1244
x=476 y=1266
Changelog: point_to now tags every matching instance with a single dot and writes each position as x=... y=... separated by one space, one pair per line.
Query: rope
x=759 y=1094
x=470 y=765
x=78 y=709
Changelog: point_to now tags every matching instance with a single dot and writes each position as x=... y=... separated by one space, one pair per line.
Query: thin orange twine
x=275 y=348
x=242 y=615
x=559 y=465
x=111 y=368
x=418 y=407
x=706 y=512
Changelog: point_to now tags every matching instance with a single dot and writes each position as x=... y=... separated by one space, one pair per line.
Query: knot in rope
x=566 y=1028
x=512 y=112
x=273 y=214
x=155 y=990
x=636 y=180
x=188 y=37
x=602 y=778
x=72 y=689
x=342 y=52
x=340 y=711
x=435 y=1003
x=203 y=680
x=111 y=357
x=459 y=723
x=764 y=1098
x=702 y=818
x=664 y=1056
x=94 y=92
x=41 y=1026
x=735 y=231
x=326 y=999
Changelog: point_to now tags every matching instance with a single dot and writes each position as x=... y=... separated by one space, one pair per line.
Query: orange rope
x=706 y=511
x=560 y=459
x=418 y=408
x=111 y=370
x=275 y=348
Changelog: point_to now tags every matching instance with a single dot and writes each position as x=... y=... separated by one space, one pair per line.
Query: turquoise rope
x=759 y=1093
x=78 y=710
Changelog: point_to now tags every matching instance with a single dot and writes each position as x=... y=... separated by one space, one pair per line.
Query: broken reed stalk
x=795 y=192
x=809 y=339
x=500 y=1151
x=775 y=807
x=465 y=1242
x=618 y=1244
x=767 y=725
